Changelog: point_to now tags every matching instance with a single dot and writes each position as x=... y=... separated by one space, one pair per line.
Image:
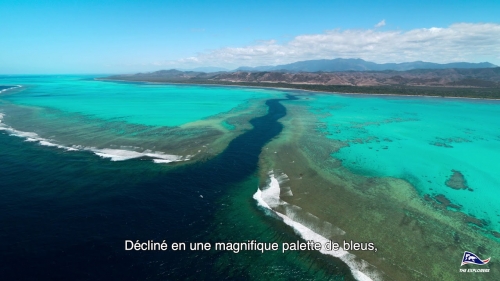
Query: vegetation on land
x=467 y=92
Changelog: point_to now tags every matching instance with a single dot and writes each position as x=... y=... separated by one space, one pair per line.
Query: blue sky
x=130 y=36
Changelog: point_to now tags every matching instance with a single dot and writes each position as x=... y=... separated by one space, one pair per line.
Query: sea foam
x=11 y=88
x=121 y=155
x=112 y=154
x=269 y=198
x=30 y=136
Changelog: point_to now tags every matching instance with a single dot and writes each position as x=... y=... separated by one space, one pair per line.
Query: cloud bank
x=473 y=42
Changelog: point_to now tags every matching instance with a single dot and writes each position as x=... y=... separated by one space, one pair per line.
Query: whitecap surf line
x=269 y=198
x=121 y=155
x=11 y=88
x=113 y=154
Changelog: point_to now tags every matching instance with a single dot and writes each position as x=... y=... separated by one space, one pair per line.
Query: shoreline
x=294 y=89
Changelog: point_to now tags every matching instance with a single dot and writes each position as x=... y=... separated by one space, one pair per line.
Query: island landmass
x=481 y=83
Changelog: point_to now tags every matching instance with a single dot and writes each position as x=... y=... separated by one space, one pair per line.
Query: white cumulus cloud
x=380 y=24
x=471 y=42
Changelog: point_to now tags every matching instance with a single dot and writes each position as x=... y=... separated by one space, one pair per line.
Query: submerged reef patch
x=457 y=181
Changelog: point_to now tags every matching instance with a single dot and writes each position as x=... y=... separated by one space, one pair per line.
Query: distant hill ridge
x=339 y=64
x=452 y=77
x=452 y=82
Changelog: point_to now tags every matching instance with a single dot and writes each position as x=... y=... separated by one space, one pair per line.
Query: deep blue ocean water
x=66 y=212
x=66 y=215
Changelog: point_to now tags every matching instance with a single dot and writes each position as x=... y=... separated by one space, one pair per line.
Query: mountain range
x=477 y=80
x=453 y=77
x=339 y=64
x=339 y=72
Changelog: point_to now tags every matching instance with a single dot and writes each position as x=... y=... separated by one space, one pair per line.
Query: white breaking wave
x=30 y=136
x=269 y=198
x=112 y=154
x=120 y=155
x=14 y=87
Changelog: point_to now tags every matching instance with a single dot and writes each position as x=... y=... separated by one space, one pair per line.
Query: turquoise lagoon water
x=138 y=103
x=68 y=215
x=122 y=121
x=418 y=139
x=421 y=140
